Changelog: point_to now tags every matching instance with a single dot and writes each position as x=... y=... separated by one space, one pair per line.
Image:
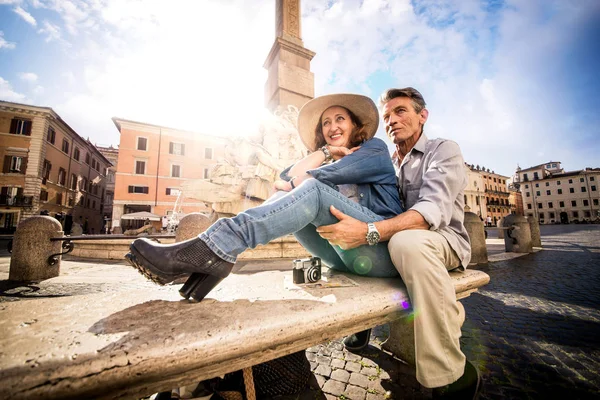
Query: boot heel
x=190 y=284
x=200 y=286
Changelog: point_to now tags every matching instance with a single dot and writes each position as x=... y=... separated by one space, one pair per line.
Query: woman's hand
x=338 y=152
x=282 y=185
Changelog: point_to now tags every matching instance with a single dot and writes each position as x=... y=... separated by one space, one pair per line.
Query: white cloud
x=28 y=77
x=9 y=2
x=38 y=90
x=51 y=31
x=4 y=44
x=8 y=94
x=485 y=74
x=25 y=15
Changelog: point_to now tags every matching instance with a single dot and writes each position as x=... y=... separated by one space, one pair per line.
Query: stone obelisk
x=290 y=81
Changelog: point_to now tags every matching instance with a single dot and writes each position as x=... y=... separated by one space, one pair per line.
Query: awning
x=142 y=215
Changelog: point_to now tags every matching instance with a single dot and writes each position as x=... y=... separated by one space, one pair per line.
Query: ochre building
x=49 y=169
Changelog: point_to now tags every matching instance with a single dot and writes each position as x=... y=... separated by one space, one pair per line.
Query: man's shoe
x=466 y=387
x=164 y=264
x=357 y=341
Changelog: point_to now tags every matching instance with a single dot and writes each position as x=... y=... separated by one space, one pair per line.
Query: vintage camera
x=307 y=270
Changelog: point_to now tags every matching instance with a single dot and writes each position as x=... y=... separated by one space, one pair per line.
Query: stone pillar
x=192 y=225
x=475 y=229
x=534 y=226
x=290 y=81
x=500 y=230
x=32 y=247
x=517 y=239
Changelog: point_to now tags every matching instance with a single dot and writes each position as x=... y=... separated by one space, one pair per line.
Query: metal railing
x=68 y=245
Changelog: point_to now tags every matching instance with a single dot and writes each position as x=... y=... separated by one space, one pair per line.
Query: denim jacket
x=371 y=169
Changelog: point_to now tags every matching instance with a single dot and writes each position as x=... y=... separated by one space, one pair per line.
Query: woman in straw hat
x=360 y=183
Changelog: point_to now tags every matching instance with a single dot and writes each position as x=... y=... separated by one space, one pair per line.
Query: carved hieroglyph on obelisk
x=290 y=81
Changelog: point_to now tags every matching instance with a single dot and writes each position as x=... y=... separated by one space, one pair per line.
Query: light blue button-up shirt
x=432 y=181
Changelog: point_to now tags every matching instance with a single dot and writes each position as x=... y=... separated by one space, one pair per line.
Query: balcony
x=16 y=201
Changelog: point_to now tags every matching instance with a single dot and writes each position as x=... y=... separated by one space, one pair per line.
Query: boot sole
x=137 y=260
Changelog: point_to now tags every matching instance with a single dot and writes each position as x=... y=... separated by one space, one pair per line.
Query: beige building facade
x=487 y=194
x=553 y=195
x=112 y=155
x=48 y=168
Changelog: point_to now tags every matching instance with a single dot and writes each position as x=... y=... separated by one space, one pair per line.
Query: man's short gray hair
x=413 y=94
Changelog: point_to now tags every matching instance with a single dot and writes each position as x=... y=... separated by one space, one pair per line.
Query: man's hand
x=347 y=234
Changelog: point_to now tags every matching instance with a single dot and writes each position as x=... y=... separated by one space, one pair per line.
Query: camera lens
x=313 y=274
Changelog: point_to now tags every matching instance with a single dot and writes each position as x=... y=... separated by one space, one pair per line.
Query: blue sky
x=513 y=82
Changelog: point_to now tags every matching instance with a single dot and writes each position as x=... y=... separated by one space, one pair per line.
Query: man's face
x=401 y=120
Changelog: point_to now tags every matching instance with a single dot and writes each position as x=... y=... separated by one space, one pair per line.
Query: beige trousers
x=423 y=259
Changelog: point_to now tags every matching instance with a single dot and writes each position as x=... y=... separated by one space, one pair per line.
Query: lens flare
x=362 y=265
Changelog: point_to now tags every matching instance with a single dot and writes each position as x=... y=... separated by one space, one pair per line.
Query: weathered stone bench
x=131 y=338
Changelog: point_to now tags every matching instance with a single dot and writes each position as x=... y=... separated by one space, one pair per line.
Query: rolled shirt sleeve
x=443 y=179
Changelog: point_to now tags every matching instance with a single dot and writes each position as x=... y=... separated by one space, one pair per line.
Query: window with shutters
x=65 y=146
x=138 y=189
x=172 y=192
x=142 y=143
x=87 y=158
x=140 y=167
x=46 y=171
x=83 y=184
x=43 y=195
x=76 y=153
x=73 y=185
x=177 y=149
x=14 y=164
x=59 y=197
x=62 y=176
x=208 y=153
x=51 y=135
x=19 y=126
x=175 y=171
x=206 y=173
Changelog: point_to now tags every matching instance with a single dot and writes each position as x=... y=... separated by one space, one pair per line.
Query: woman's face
x=337 y=126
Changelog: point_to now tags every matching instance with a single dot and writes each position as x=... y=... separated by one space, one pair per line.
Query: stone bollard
x=534 y=227
x=475 y=229
x=518 y=239
x=32 y=247
x=192 y=225
x=500 y=231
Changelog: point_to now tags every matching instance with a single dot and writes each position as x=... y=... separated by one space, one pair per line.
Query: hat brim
x=310 y=114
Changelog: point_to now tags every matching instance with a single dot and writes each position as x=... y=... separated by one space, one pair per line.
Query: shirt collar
x=420 y=145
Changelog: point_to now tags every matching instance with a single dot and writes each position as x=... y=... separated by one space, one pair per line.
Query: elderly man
x=425 y=242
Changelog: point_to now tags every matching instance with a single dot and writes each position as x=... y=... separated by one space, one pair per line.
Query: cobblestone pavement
x=533 y=332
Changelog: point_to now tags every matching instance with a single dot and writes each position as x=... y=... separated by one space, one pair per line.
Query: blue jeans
x=300 y=212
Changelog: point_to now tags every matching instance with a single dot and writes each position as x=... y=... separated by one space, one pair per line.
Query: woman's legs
x=307 y=204
x=365 y=260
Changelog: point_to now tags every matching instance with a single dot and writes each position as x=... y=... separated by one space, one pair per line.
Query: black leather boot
x=357 y=341
x=165 y=263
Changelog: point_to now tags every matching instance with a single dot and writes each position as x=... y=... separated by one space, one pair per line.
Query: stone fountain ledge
x=115 y=249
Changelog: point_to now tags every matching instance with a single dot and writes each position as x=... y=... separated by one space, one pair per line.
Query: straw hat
x=363 y=107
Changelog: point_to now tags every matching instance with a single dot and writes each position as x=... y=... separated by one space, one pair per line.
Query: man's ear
x=424 y=114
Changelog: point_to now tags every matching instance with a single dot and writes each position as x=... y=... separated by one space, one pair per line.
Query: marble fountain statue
x=244 y=178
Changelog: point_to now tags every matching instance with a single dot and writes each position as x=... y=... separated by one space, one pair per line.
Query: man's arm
x=443 y=180
x=350 y=233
